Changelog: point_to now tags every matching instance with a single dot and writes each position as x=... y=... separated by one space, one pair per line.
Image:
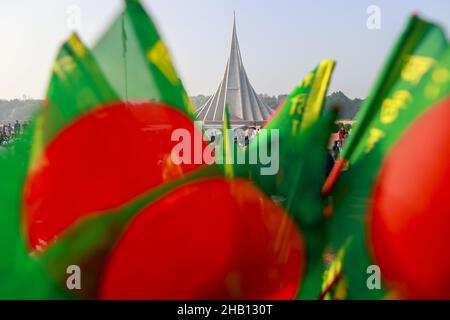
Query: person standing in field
x=336 y=150
x=17 y=127
x=341 y=134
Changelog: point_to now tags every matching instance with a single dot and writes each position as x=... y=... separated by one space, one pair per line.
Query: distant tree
x=336 y=127
x=15 y=109
x=272 y=101
x=348 y=107
x=199 y=100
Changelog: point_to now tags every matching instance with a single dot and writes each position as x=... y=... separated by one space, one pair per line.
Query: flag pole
x=335 y=173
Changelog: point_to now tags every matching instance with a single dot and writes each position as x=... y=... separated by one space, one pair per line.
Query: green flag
x=137 y=62
x=282 y=134
x=414 y=79
x=77 y=85
x=305 y=104
x=73 y=130
x=418 y=49
x=21 y=275
x=304 y=199
x=228 y=145
x=90 y=241
x=303 y=130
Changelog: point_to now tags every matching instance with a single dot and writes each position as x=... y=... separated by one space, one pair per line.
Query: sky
x=280 y=40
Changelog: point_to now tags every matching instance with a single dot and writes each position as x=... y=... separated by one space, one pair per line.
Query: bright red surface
x=101 y=161
x=410 y=218
x=213 y=239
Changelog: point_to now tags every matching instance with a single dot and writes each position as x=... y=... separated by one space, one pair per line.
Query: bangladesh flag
x=304 y=200
x=76 y=86
x=280 y=139
x=390 y=207
x=88 y=141
x=21 y=276
x=415 y=53
x=302 y=132
x=305 y=104
x=100 y=188
x=137 y=62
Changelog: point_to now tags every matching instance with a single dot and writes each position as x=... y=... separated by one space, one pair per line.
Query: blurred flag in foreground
x=303 y=132
x=282 y=134
x=391 y=206
x=100 y=188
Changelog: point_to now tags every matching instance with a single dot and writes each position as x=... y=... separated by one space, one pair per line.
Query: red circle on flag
x=410 y=214
x=101 y=161
x=211 y=239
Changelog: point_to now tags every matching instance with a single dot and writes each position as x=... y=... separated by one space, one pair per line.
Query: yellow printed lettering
x=295 y=126
x=63 y=66
x=159 y=56
x=415 y=68
x=391 y=106
x=298 y=103
x=375 y=136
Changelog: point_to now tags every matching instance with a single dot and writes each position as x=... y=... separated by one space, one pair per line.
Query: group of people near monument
x=342 y=135
x=10 y=130
x=242 y=136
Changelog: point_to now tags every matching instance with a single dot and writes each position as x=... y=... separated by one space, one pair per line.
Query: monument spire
x=235 y=92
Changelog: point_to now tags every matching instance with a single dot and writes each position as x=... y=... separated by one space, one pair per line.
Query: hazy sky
x=281 y=40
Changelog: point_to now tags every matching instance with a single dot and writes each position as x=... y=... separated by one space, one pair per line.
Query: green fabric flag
x=137 y=63
x=282 y=134
x=80 y=84
x=228 y=145
x=143 y=71
x=21 y=275
x=305 y=104
x=304 y=201
x=77 y=85
x=418 y=49
x=301 y=131
x=89 y=242
x=415 y=77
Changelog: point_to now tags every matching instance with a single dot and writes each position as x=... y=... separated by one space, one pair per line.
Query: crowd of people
x=242 y=135
x=10 y=130
x=342 y=135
